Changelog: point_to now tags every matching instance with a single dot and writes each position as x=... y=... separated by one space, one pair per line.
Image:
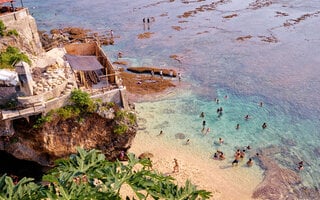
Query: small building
x=91 y=66
x=25 y=78
x=88 y=70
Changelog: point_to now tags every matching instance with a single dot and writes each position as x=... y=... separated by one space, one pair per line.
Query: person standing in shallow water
x=264 y=125
x=202 y=115
x=250 y=162
x=238 y=126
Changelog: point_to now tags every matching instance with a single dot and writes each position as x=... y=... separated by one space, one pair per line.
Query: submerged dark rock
x=180 y=136
x=279 y=182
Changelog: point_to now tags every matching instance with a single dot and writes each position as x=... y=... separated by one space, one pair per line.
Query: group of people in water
x=239 y=154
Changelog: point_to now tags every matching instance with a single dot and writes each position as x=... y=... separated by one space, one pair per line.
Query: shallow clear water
x=283 y=72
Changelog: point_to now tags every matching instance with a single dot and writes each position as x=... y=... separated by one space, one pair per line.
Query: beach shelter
x=87 y=68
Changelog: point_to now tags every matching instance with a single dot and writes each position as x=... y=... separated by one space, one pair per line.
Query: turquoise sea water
x=278 y=64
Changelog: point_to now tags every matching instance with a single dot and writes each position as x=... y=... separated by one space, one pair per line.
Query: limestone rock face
x=28 y=40
x=59 y=138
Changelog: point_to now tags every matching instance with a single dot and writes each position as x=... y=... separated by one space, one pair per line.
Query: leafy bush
x=11 y=56
x=120 y=129
x=123 y=116
x=132 y=118
x=110 y=104
x=120 y=115
x=2 y=28
x=13 y=32
x=42 y=120
x=68 y=112
x=82 y=100
x=88 y=175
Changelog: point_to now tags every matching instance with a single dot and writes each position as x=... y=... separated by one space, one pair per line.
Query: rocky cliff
x=28 y=39
x=59 y=138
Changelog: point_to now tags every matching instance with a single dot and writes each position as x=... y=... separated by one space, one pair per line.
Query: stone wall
x=45 y=96
x=110 y=96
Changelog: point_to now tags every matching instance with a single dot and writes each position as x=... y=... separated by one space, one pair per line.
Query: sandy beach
x=219 y=177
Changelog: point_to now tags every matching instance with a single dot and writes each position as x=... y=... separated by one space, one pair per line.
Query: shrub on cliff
x=88 y=175
x=82 y=100
x=2 y=28
x=3 y=31
x=11 y=56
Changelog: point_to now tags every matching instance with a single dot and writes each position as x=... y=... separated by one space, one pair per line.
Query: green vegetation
x=123 y=119
x=11 y=56
x=42 y=120
x=123 y=115
x=120 y=129
x=68 y=112
x=13 y=32
x=9 y=32
x=82 y=104
x=88 y=175
x=82 y=101
x=2 y=28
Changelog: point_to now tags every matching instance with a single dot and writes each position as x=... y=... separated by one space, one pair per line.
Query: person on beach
x=246 y=117
x=261 y=103
x=121 y=156
x=221 y=156
x=250 y=162
x=221 y=141
x=152 y=73
x=300 y=165
x=207 y=131
x=238 y=126
x=188 y=142
x=242 y=154
x=161 y=74
x=179 y=76
x=235 y=162
x=217 y=101
x=203 y=124
x=111 y=33
x=171 y=73
x=264 y=125
x=215 y=156
x=219 y=111
x=119 y=54
x=161 y=132
x=202 y=115
x=176 y=166
x=248 y=147
x=237 y=155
